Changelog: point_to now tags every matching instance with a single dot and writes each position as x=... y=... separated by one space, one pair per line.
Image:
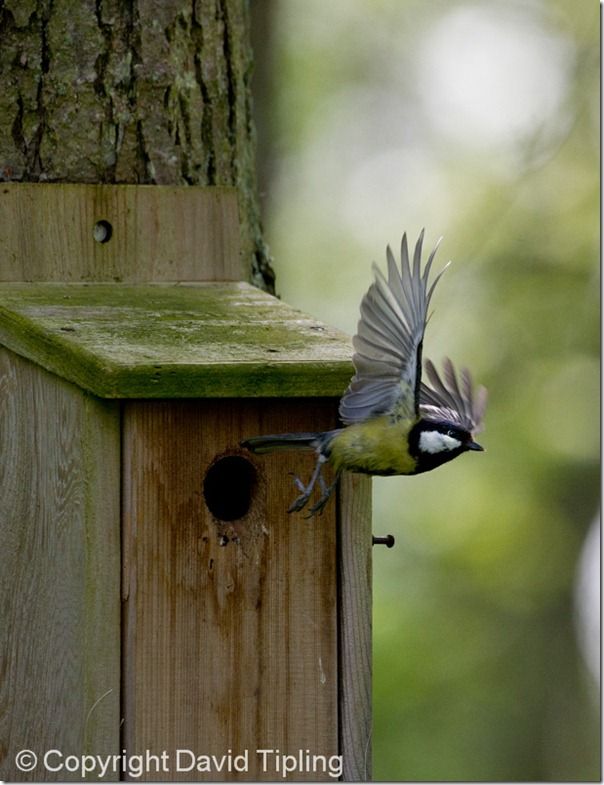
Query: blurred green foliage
x=477 y=669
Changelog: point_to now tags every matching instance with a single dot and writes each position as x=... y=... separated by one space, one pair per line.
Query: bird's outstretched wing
x=388 y=343
x=452 y=400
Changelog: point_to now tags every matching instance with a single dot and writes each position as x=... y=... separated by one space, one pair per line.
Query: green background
x=479 y=121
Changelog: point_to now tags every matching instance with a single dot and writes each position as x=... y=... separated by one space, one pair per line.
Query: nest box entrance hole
x=228 y=487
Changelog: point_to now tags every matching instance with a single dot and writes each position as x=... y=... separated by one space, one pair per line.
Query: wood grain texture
x=230 y=630
x=159 y=233
x=355 y=561
x=59 y=572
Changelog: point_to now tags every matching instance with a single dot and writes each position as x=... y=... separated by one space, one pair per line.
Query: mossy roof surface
x=174 y=340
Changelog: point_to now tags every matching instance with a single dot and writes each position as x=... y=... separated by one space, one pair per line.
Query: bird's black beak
x=475 y=446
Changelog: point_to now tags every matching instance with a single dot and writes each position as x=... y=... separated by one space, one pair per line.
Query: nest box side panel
x=59 y=573
x=230 y=628
x=355 y=573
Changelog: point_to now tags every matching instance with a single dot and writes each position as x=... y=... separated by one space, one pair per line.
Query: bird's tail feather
x=282 y=441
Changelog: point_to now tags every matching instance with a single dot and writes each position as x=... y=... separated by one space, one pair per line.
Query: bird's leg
x=326 y=491
x=298 y=482
x=302 y=500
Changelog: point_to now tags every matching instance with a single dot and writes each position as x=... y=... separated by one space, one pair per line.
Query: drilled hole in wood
x=102 y=231
x=229 y=486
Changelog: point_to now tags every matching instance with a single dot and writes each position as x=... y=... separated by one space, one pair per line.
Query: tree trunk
x=132 y=91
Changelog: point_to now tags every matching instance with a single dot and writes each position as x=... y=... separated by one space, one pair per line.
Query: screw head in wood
x=387 y=540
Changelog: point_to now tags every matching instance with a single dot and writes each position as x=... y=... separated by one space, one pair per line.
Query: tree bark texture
x=132 y=91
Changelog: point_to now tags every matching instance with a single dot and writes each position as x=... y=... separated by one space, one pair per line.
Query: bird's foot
x=318 y=507
x=301 y=501
x=306 y=492
x=326 y=491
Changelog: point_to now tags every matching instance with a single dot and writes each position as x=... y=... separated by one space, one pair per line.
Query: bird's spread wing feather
x=387 y=358
x=451 y=399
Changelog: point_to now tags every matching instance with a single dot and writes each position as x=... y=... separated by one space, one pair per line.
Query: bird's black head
x=433 y=443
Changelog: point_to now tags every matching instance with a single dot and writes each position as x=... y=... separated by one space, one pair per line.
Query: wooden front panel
x=229 y=630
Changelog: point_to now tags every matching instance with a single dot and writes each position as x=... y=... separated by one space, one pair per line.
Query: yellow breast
x=378 y=446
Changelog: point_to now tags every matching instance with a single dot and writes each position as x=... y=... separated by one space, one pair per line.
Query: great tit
x=394 y=423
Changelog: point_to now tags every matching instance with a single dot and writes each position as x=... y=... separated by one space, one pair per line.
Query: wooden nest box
x=157 y=596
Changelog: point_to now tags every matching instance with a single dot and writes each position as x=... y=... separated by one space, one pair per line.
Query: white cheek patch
x=433 y=441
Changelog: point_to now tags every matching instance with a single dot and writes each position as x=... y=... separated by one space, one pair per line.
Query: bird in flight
x=394 y=422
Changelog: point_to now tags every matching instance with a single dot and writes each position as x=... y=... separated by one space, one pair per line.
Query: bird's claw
x=318 y=507
x=299 y=503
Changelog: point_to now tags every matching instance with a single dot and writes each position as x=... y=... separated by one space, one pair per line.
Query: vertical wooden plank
x=230 y=637
x=158 y=233
x=59 y=572
x=355 y=561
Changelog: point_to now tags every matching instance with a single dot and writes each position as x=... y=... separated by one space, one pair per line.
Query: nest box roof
x=174 y=340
